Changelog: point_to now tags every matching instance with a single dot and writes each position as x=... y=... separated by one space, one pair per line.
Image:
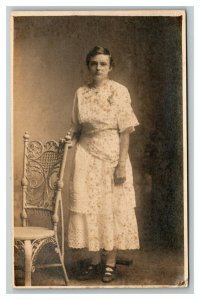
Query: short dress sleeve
x=75 y=124
x=126 y=119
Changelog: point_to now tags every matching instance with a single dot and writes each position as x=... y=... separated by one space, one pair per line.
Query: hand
x=70 y=142
x=120 y=174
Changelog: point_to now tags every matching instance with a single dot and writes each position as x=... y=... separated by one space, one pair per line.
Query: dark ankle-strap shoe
x=109 y=274
x=91 y=272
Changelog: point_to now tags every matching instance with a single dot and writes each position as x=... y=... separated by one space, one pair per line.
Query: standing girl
x=102 y=198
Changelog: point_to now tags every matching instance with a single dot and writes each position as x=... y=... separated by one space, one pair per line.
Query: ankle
x=111 y=258
x=111 y=264
x=96 y=259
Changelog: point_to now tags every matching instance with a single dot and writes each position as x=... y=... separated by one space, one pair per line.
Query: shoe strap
x=109 y=270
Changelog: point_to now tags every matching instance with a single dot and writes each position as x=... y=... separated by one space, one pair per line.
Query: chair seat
x=32 y=233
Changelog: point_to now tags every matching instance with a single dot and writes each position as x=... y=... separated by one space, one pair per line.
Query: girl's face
x=99 y=67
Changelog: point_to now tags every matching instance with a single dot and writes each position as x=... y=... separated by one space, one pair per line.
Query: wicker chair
x=42 y=184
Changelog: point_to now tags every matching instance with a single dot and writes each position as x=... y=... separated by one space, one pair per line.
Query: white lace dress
x=102 y=214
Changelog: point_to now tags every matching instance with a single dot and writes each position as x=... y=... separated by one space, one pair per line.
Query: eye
x=93 y=63
x=103 y=64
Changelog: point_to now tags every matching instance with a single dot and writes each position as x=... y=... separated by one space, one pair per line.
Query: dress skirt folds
x=102 y=214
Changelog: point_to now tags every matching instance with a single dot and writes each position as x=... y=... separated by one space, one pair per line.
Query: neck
x=98 y=83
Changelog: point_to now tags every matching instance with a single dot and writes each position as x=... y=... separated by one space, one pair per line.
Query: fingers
x=69 y=144
x=68 y=136
x=68 y=139
x=120 y=180
x=119 y=175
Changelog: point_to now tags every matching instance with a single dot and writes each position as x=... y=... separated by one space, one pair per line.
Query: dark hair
x=98 y=50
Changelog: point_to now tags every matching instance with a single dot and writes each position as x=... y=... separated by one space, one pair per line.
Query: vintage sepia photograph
x=99 y=149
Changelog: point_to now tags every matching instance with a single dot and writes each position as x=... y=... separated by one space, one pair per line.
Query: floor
x=153 y=267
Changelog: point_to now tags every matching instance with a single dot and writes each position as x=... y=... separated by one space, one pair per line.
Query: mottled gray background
x=49 y=65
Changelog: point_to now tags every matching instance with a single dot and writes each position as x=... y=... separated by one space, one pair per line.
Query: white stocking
x=111 y=258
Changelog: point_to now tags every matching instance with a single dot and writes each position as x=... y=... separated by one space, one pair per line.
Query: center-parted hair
x=99 y=50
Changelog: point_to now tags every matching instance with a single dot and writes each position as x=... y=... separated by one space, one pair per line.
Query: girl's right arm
x=73 y=134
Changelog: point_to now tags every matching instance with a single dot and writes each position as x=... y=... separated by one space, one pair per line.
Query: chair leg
x=28 y=262
x=65 y=273
x=63 y=266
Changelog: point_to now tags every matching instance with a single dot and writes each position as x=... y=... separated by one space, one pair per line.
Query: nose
x=98 y=67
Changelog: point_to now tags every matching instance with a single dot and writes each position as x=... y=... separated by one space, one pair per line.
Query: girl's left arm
x=120 y=171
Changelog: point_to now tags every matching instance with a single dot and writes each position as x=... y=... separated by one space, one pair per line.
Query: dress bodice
x=100 y=114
